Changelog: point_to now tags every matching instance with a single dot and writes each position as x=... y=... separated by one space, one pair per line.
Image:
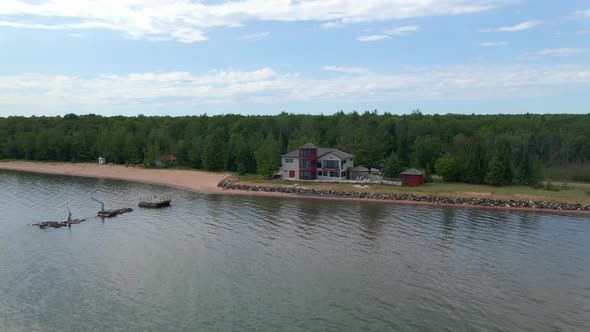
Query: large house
x=312 y=163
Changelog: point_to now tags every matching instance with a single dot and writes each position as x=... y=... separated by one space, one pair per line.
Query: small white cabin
x=102 y=161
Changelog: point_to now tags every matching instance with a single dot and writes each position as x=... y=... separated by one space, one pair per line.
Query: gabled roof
x=359 y=169
x=412 y=171
x=340 y=154
x=321 y=152
x=307 y=146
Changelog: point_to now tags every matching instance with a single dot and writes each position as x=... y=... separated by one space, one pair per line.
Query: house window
x=304 y=153
x=333 y=164
x=288 y=161
x=304 y=175
x=342 y=163
x=334 y=174
x=304 y=164
x=320 y=173
x=343 y=174
x=318 y=164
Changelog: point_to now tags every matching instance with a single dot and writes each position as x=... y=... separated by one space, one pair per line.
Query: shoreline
x=213 y=183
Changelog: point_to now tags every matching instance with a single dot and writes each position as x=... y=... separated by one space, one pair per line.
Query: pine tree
x=392 y=166
x=495 y=173
x=268 y=156
x=213 y=156
x=528 y=172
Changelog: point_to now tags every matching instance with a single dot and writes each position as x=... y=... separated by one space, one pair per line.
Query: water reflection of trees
x=372 y=218
x=448 y=225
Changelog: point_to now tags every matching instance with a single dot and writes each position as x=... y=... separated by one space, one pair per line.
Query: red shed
x=412 y=177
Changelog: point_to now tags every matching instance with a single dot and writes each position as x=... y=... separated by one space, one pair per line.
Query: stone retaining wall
x=229 y=183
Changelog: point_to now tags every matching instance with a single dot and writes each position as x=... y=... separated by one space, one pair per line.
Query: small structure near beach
x=102 y=160
x=412 y=177
x=166 y=161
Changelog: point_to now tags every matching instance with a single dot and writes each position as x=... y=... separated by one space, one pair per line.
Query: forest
x=492 y=149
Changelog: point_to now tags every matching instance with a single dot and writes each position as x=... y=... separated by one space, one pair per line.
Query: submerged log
x=155 y=202
x=112 y=213
x=58 y=224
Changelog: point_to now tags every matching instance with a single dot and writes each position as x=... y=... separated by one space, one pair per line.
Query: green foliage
x=268 y=156
x=214 y=154
x=559 y=143
x=550 y=187
x=392 y=166
x=496 y=173
x=528 y=171
x=425 y=151
x=450 y=168
x=427 y=174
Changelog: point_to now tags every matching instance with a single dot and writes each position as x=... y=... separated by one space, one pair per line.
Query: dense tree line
x=495 y=149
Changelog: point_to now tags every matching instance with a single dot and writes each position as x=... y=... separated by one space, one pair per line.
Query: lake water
x=231 y=263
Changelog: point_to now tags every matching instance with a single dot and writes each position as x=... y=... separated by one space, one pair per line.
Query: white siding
x=289 y=166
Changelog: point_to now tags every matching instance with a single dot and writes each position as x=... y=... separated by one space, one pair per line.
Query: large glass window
x=288 y=161
x=334 y=164
x=304 y=175
x=304 y=164
x=304 y=153
x=320 y=173
x=334 y=174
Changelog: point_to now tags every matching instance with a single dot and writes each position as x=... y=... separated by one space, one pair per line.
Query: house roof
x=321 y=152
x=307 y=146
x=359 y=169
x=412 y=171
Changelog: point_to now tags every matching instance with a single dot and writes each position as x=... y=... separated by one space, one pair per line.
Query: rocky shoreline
x=230 y=183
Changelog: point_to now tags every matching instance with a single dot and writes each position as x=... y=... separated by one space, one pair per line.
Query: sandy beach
x=198 y=181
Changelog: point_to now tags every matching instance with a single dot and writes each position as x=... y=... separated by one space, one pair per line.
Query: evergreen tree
x=528 y=172
x=245 y=160
x=392 y=166
x=496 y=172
x=450 y=167
x=213 y=155
x=268 y=156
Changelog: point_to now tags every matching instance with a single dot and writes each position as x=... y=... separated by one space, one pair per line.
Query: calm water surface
x=228 y=263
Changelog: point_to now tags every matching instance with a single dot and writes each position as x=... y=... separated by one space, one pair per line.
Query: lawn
x=570 y=195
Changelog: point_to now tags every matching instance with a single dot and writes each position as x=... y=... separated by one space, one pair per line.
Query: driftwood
x=112 y=213
x=109 y=213
x=58 y=224
x=155 y=202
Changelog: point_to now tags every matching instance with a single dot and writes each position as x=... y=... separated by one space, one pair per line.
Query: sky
x=189 y=57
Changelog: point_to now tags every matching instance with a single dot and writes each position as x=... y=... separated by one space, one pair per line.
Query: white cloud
x=255 y=36
x=331 y=25
x=493 y=44
x=555 y=52
x=346 y=70
x=583 y=32
x=401 y=31
x=186 y=20
x=371 y=38
x=562 y=51
x=141 y=91
x=514 y=28
x=583 y=13
x=397 y=31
